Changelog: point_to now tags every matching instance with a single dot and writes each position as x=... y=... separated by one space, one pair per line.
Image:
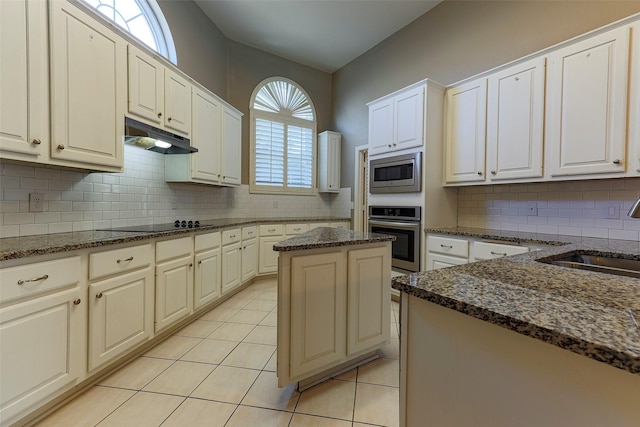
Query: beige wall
x=453 y=41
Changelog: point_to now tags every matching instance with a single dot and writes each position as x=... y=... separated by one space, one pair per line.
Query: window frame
x=287 y=120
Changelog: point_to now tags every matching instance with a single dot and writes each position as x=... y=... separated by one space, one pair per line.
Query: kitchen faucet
x=634 y=212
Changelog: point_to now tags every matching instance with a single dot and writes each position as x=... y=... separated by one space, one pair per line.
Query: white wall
x=76 y=201
x=577 y=208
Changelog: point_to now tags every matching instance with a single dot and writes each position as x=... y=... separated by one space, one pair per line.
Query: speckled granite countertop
x=21 y=247
x=589 y=313
x=324 y=237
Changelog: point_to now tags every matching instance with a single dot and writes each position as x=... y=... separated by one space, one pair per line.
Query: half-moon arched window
x=143 y=19
x=283 y=138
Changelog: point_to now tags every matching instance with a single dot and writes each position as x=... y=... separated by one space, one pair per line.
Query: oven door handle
x=403 y=225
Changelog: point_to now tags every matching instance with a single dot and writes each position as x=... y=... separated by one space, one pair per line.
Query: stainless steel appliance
x=151 y=138
x=397 y=174
x=404 y=223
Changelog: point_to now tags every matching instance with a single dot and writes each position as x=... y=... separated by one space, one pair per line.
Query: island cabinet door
x=369 y=284
x=318 y=312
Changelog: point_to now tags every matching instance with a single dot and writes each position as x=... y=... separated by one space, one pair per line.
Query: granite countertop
x=22 y=247
x=324 y=237
x=589 y=313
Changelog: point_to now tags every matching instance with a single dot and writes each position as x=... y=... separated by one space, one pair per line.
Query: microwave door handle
x=404 y=225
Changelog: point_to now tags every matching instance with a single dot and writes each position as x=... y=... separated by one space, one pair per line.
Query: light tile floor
x=220 y=371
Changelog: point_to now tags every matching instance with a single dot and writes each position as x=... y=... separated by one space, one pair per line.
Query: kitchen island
x=333 y=303
x=515 y=341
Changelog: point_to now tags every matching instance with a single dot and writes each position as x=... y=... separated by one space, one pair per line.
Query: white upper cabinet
x=177 y=102
x=205 y=164
x=464 y=133
x=587 y=104
x=634 y=103
x=24 y=81
x=329 y=162
x=231 y=154
x=396 y=122
x=515 y=120
x=87 y=100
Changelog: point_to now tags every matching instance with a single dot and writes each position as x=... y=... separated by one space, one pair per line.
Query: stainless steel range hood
x=150 y=138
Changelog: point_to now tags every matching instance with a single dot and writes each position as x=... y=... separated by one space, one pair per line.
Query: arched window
x=143 y=19
x=283 y=138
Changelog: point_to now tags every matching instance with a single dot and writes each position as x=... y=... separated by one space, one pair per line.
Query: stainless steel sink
x=601 y=264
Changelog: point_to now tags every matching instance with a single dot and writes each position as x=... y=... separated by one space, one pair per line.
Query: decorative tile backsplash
x=76 y=201
x=593 y=208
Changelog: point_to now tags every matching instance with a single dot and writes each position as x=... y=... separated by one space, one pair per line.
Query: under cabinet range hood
x=150 y=138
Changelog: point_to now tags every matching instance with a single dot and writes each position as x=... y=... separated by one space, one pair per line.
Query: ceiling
x=323 y=34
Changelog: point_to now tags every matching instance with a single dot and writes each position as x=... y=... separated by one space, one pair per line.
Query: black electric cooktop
x=156 y=228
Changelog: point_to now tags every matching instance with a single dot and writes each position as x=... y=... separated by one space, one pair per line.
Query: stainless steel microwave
x=397 y=174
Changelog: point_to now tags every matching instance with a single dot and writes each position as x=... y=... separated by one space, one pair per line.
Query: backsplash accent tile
x=78 y=201
x=574 y=208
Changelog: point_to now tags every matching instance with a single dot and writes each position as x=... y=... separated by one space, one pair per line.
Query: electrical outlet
x=36 y=202
x=612 y=211
x=532 y=209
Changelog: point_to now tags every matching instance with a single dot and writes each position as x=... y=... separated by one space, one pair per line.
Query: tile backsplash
x=77 y=201
x=593 y=208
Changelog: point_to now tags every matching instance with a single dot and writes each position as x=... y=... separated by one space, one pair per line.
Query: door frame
x=361 y=190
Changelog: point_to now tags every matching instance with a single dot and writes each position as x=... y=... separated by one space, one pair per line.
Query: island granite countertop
x=593 y=314
x=324 y=237
x=22 y=247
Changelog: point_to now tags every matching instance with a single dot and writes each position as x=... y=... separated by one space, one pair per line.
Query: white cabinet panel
x=231 y=154
x=177 y=102
x=206 y=164
x=634 y=103
x=380 y=127
x=587 y=104
x=515 y=120
x=436 y=261
x=174 y=291
x=249 y=259
x=231 y=267
x=208 y=276
x=465 y=132
x=268 y=258
x=329 y=156
x=146 y=85
x=486 y=250
x=409 y=119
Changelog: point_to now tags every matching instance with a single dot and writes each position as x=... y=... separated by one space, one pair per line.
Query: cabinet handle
x=36 y=141
x=446 y=246
x=271 y=230
x=60 y=147
x=37 y=279
x=479 y=173
x=125 y=260
x=493 y=172
x=77 y=301
x=190 y=264
x=389 y=145
x=99 y=295
x=232 y=237
x=498 y=253
x=517 y=78
x=199 y=262
x=159 y=115
x=169 y=119
x=617 y=161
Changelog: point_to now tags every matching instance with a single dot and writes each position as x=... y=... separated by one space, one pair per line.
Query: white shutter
x=299 y=157
x=269 y=153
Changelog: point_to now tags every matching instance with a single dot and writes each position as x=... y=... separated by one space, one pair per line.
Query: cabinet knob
x=389 y=145
x=99 y=295
x=60 y=147
x=190 y=265
x=169 y=119
x=36 y=141
x=77 y=301
x=493 y=172
x=159 y=115
x=617 y=161
x=199 y=262
x=479 y=173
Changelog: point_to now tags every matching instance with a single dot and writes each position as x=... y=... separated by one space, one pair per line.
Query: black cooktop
x=156 y=228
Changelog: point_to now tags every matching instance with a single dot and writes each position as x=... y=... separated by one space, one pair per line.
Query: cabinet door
x=120 y=315
x=380 y=127
x=231 y=267
x=484 y=250
x=177 y=102
x=174 y=291
x=318 y=311
x=515 y=120
x=268 y=258
x=24 y=87
x=465 y=131
x=409 y=119
x=146 y=85
x=88 y=90
x=42 y=349
x=334 y=163
x=231 y=147
x=205 y=164
x=587 y=103
x=249 y=259
x=634 y=103
x=436 y=261
x=208 y=278
x=369 y=284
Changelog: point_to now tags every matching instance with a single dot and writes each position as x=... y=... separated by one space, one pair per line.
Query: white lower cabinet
x=445 y=251
x=174 y=281
x=231 y=260
x=486 y=250
x=207 y=282
x=42 y=334
x=249 y=259
x=270 y=234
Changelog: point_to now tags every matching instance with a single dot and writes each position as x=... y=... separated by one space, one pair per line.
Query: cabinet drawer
x=272 y=230
x=293 y=229
x=484 y=250
x=169 y=249
x=344 y=225
x=207 y=241
x=318 y=225
x=119 y=261
x=231 y=236
x=249 y=232
x=448 y=246
x=29 y=280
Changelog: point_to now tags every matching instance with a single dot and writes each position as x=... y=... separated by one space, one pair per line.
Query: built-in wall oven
x=403 y=222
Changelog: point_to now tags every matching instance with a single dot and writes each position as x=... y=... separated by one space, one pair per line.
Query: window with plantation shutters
x=283 y=139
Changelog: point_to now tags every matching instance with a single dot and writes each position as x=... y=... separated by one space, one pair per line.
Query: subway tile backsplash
x=77 y=201
x=592 y=208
